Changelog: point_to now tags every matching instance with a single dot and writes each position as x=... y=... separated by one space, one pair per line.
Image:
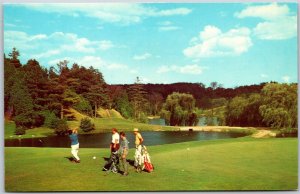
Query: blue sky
x=233 y=44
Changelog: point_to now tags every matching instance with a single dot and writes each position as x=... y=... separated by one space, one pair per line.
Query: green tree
x=22 y=104
x=14 y=58
x=179 y=109
x=97 y=96
x=279 y=106
x=36 y=79
x=234 y=110
x=83 y=106
x=9 y=80
x=137 y=97
x=86 y=125
x=123 y=105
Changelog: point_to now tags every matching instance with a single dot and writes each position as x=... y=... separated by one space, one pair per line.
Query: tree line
x=36 y=96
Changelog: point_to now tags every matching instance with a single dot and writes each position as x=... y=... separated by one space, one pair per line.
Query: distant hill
x=198 y=90
x=73 y=114
x=108 y=113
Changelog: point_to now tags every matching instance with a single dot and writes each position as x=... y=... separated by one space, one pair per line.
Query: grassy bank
x=101 y=124
x=232 y=164
x=106 y=124
x=9 y=132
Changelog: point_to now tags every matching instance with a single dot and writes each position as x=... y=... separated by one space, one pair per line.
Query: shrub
x=86 y=125
x=62 y=127
x=51 y=120
x=24 y=120
x=20 y=130
x=143 y=118
x=38 y=119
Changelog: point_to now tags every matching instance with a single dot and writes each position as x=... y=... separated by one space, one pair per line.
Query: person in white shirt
x=115 y=142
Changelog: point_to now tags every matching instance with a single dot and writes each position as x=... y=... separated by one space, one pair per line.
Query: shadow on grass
x=71 y=159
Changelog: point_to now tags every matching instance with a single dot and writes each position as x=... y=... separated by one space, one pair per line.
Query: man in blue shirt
x=73 y=134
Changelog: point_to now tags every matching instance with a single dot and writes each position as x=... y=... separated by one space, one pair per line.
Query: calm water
x=102 y=140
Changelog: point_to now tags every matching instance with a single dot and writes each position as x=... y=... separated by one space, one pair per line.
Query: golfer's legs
x=74 y=151
x=137 y=156
x=125 y=166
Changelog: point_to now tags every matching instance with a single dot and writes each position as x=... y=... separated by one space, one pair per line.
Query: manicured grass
x=232 y=164
x=106 y=124
x=36 y=132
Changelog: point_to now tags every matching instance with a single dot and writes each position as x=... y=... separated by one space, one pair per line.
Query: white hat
x=135 y=129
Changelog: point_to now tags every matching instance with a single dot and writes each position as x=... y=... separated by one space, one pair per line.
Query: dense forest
x=36 y=96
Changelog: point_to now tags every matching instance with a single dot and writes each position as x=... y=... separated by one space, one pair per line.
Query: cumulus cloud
x=286 y=78
x=213 y=42
x=279 y=23
x=187 y=69
x=57 y=43
x=22 y=40
x=123 y=13
x=267 y=12
x=90 y=60
x=142 y=56
x=105 y=44
x=47 y=54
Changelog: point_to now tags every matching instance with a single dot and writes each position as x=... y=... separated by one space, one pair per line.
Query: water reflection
x=102 y=140
x=203 y=121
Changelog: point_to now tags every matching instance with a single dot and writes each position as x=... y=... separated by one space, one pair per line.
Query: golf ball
x=94 y=157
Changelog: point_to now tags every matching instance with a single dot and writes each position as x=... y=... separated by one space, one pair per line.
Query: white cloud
x=115 y=66
x=123 y=13
x=88 y=61
x=142 y=57
x=167 y=26
x=264 y=75
x=213 y=42
x=47 y=54
x=106 y=44
x=280 y=29
x=44 y=46
x=279 y=23
x=21 y=39
x=56 y=61
x=286 y=78
x=170 y=12
x=268 y=12
x=187 y=69
x=95 y=61
x=9 y=25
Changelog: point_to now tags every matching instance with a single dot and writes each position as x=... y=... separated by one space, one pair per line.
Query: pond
x=102 y=140
x=202 y=121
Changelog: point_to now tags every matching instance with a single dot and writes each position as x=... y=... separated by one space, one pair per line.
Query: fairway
x=232 y=164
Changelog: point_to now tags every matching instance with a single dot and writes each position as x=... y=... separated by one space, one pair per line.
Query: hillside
x=108 y=113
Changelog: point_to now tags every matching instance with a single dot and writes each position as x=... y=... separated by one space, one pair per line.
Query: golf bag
x=142 y=159
x=113 y=163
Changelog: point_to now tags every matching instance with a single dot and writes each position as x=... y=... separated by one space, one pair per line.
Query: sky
x=233 y=44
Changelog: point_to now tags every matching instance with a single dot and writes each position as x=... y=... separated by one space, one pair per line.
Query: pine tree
x=22 y=104
x=137 y=97
x=14 y=58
